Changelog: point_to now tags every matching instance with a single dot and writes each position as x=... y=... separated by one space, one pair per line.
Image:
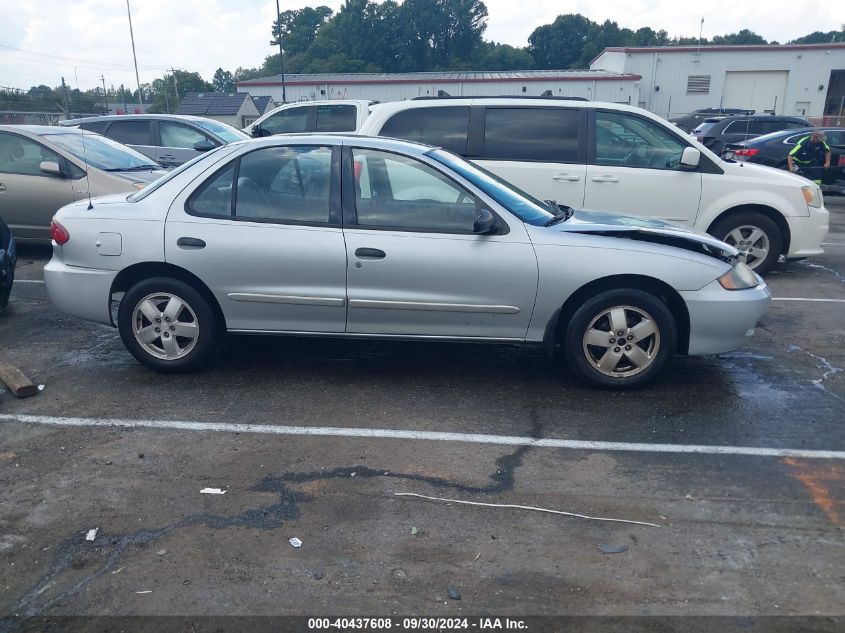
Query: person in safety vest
x=810 y=151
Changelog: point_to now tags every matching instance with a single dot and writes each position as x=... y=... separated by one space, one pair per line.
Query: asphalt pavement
x=737 y=460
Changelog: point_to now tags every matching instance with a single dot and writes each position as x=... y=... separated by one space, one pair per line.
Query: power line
x=33 y=56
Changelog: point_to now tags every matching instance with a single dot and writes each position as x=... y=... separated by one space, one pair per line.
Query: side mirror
x=485 y=223
x=51 y=168
x=257 y=132
x=690 y=157
x=203 y=146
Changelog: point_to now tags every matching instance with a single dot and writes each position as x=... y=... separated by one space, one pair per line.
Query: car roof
x=335 y=138
x=772 y=136
x=134 y=117
x=42 y=130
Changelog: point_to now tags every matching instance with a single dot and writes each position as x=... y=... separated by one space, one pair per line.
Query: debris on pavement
x=117 y=571
x=414 y=530
x=148 y=591
x=295 y=542
x=454 y=594
x=91 y=534
x=613 y=549
x=212 y=491
x=40 y=387
x=17 y=382
x=519 y=507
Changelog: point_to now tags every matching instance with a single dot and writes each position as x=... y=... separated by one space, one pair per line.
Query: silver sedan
x=366 y=237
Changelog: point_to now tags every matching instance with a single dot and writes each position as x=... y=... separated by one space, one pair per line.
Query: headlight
x=813 y=196
x=139 y=185
x=740 y=277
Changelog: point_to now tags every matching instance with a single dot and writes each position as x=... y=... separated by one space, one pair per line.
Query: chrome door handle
x=605 y=179
x=167 y=157
x=569 y=177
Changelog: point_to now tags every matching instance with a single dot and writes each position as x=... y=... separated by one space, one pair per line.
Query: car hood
x=761 y=172
x=646 y=230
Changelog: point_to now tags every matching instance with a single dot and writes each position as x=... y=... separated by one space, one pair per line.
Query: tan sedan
x=43 y=168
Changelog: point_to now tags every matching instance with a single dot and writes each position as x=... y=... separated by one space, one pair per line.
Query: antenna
x=84 y=153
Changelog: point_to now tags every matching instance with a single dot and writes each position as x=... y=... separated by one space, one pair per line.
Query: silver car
x=170 y=139
x=366 y=237
x=43 y=168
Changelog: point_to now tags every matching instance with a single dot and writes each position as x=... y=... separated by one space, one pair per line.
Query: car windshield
x=223 y=131
x=102 y=153
x=523 y=205
x=143 y=193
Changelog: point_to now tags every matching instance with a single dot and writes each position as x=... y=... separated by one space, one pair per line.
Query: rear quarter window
x=446 y=127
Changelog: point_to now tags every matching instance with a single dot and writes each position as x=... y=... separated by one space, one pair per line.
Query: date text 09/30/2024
x=417 y=624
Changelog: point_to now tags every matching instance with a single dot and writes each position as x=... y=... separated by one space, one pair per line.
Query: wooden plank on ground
x=16 y=381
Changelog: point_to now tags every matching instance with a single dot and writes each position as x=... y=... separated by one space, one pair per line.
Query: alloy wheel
x=751 y=241
x=622 y=341
x=165 y=326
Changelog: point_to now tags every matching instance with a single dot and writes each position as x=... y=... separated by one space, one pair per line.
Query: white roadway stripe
x=805 y=299
x=437 y=436
x=28 y=281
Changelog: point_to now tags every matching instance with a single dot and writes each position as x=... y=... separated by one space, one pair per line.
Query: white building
x=806 y=80
x=599 y=85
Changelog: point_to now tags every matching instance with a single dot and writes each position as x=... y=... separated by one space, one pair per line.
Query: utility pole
x=700 y=33
x=105 y=94
x=281 y=52
x=64 y=91
x=135 y=58
x=175 y=86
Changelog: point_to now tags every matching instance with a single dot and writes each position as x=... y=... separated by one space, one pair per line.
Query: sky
x=82 y=40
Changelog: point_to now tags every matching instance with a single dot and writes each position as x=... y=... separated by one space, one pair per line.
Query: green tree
x=299 y=28
x=820 y=37
x=223 y=81
x=742 y=37
x=561 y=43
x=493 y=56
x=164 y=90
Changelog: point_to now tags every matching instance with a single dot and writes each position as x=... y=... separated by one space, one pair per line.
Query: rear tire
x=753 y=233
x=168 y=325
x=599 y=355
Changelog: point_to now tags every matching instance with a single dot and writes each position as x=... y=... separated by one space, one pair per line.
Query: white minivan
x=614 y=157
x=336 y=115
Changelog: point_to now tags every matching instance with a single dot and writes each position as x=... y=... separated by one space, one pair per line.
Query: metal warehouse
x=599 y=85
x=806 y=80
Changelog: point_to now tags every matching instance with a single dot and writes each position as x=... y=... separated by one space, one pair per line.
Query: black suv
x=690 y=121
x=738 y=128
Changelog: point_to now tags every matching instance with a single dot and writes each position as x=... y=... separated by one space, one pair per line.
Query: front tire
x=754 y=234
x=168 y=325
x=619 y=339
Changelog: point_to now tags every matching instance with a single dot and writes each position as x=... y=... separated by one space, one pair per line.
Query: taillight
x=58 y=232
x=842 y=161
x=748 y=152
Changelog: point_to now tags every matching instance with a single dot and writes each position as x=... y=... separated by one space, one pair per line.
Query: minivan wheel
x=620 y=338
x=755 y=235
x=167 y=325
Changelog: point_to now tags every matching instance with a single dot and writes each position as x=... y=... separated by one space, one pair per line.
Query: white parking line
x=437 y=436
x=29 y=281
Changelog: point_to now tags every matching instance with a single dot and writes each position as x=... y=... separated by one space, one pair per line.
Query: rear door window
x=531 y=134
x=446 y=127
x=287 y=121
x=336 y=118
x=285 y=184
x=130 y=132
